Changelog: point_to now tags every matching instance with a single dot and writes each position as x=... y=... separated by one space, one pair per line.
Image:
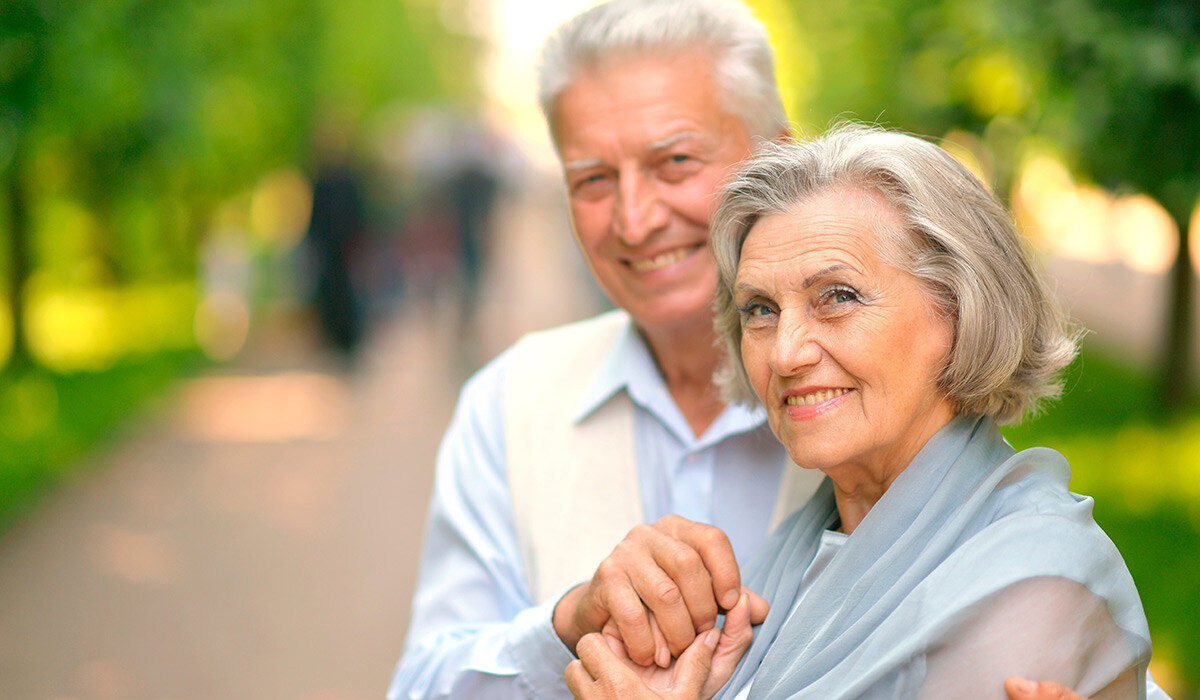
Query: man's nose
x=640 y=209
x=795 y=349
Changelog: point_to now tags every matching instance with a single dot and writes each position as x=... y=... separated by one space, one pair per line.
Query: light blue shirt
x=475 y=632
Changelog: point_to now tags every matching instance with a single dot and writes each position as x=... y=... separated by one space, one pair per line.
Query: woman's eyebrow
x=813 y=278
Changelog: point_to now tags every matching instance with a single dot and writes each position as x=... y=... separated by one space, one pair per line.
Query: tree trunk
x=1176 y=386
x=18 y=234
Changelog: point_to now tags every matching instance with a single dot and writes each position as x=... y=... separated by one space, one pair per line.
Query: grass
x=1144 y=472
x=50 y=421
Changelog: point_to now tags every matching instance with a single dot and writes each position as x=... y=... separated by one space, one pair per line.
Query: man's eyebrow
x=674 y=139
x=582 y=164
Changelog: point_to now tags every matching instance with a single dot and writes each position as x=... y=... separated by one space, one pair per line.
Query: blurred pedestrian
x=335 y=231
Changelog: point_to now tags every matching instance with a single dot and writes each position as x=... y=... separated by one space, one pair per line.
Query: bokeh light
x=279 y=208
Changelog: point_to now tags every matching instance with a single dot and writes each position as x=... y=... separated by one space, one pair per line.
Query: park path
x=254 y=536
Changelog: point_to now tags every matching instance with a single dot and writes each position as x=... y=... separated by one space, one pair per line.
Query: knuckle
x=686 y=559
x=626 y=611
x=670 y=520
x=639 y=532
x=668 y=592
x=710 y=536
x=608 y=570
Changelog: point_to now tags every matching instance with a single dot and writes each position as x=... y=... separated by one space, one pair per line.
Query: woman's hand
x=605 y=671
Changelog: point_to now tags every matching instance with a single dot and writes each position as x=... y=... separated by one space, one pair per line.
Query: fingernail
x=730 y=599
x=662 y=657
x=710 y=639
x=1023 y=685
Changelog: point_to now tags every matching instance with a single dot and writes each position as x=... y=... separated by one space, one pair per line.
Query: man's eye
x=590 y=186
x=677 y=166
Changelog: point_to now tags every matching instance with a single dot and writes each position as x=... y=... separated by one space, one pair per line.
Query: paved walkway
x=255 y=535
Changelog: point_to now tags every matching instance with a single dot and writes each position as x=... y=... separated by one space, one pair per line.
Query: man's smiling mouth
x=664 y=259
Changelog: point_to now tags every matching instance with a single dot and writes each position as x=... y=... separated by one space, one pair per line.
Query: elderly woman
x=877 y=300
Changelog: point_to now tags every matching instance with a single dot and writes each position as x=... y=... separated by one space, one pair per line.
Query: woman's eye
x=840 y=295
x=752 y=310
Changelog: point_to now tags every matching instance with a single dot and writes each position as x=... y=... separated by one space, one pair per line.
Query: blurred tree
x=125 y=123
x=23 y=38
x=1123 y=90
x=1114 y=82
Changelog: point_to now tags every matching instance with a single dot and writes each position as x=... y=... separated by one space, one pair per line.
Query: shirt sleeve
x=475 y=631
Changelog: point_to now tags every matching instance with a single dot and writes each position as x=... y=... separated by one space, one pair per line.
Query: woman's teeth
x=815 y=398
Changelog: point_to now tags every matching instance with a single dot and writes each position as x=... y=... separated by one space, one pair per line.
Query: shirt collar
x=630 y=366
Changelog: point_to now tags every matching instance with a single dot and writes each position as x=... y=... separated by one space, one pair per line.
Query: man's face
x=645 y=144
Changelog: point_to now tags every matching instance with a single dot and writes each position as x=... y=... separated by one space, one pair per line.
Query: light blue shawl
x=967 y=520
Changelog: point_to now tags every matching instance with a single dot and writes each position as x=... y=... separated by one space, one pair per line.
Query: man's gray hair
x=1011 y=337
x=742 y=58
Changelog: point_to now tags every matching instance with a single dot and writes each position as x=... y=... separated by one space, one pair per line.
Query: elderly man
x=563 y=444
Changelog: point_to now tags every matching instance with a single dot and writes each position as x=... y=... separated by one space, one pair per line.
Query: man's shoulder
x=607 y=326
x=564 y=360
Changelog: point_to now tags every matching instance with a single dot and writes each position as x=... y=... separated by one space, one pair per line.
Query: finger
x=662 y=649
x=736 y=637
x=692 y=668
x=1019 y=688
x=613 y=637
x=674 y=585
x=597 y=658
x=759 y=607
x=579 y=681
x=716 y=553
x=631 y=617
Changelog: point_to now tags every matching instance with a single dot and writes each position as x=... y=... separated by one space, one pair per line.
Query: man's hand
x=1022 y=689
x=604 y=670
x=662 y=585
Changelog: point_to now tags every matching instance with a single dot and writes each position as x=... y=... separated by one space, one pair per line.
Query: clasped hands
x=644 y=626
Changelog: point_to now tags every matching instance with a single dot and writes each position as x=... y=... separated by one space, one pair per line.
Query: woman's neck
x=857 y=487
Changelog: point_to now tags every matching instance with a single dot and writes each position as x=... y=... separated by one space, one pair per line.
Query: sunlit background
x=159 y=163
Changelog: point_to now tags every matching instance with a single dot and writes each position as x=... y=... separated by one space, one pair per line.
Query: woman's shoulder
x=1033 y=527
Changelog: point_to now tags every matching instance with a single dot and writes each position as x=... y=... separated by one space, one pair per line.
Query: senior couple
x=877 y=317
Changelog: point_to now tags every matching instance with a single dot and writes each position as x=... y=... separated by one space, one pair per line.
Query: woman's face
x=842 y=348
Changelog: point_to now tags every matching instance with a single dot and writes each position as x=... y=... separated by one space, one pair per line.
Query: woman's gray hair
x=1011 y=337
x=742 y=58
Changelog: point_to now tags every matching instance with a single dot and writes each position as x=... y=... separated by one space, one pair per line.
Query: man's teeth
x=659 y=261
x=815 y=398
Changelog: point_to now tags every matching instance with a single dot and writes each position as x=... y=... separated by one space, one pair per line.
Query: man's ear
x=786 y=135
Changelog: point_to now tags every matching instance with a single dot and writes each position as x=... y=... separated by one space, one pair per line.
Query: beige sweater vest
x=574 y=485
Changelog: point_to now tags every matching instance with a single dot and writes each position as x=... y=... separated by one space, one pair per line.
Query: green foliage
x=124 y=124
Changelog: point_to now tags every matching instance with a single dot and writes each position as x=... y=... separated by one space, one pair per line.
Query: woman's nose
x=795 y=349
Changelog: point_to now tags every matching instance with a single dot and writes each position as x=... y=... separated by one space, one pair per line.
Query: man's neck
x=687 y=358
